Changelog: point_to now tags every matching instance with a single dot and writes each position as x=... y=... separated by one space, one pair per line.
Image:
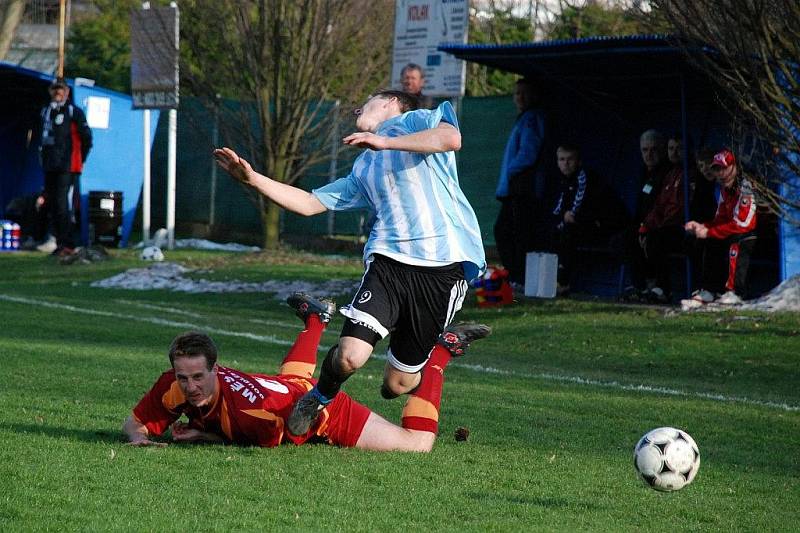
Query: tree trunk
x=10 y=16
x=271 y=223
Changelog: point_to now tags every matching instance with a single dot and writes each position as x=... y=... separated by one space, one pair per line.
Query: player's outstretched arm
x=137 y=433
x=288 y=197
x=443 y=138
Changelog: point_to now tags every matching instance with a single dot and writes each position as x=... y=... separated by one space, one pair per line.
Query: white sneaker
x=698 y=299
x=48 y=246
x=730 y=298
x=703 y=296
x=690 y=303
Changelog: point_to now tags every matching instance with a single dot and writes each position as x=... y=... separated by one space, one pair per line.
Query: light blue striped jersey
x=421 y=214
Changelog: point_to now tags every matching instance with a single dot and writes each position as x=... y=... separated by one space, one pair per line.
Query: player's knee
x=348 y=361
x=390 y=392
x=396 y=383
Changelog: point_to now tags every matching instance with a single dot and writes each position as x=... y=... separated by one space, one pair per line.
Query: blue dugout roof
x=623 y=58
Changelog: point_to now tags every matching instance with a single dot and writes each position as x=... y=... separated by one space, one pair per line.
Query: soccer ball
x=666 y=459
x=152 y=253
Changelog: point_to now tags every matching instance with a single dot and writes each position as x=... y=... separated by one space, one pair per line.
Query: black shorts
x=412 y=304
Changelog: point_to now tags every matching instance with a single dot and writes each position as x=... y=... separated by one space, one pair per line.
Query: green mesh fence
x=485 y=125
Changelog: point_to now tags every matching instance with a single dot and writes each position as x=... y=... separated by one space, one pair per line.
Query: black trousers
x=57 y=189
x=659 y=243
x=515 y=233
x=634 y=257
x=726 y=262
x=564 y=239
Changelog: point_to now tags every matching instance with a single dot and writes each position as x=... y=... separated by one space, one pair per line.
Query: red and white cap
x=724 y=159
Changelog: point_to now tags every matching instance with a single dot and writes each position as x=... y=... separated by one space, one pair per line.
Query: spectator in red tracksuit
x=661 y=231
x=730 y=236
x=66 y=141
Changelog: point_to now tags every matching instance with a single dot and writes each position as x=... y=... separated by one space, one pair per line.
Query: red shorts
x=346 y=422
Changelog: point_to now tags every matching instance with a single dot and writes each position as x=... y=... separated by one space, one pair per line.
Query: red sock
x=301 y=360
x=421 y=411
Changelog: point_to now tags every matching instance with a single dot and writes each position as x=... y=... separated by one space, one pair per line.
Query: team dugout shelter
x=603 y=92
x=115 y=163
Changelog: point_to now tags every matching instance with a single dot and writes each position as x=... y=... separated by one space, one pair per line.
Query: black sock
x=331 y=376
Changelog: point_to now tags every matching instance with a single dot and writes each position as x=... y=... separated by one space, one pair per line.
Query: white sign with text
x=420 y=26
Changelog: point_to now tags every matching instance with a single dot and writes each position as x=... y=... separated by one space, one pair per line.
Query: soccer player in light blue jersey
x=424 y=247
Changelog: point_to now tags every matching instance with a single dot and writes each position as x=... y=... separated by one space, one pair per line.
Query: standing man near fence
x=520 y=186
x=65 y=144
x=424 y=247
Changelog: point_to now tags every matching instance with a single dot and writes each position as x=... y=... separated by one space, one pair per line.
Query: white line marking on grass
x=167 y=309
x=269 y=339
x=628 y=387
x=577 y=380
x=164 y=308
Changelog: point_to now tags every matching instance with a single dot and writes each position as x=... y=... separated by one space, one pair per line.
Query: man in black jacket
x=66 y=141
x=585 y=211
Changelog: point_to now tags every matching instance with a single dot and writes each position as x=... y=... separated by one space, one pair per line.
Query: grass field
x=555 y=400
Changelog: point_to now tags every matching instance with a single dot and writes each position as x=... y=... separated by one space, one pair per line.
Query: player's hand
x=234 y=165
x=701 y=232
x=181 y=432
x=569 y=217
x=365 y=139
x=698 y=229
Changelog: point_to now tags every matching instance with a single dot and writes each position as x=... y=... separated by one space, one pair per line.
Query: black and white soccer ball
x=666 y=459
x=152 y=253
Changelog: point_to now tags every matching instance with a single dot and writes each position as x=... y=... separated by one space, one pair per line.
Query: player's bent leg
x=381 y=435
x=421 y=412
x=397 y=382
x=340 y=363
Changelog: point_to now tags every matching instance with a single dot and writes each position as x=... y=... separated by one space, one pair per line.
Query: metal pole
x=146 y=179
x=332 y=169
x=173 y=144
x=686 y=213
x=62 y=19
x=171 y=164
x=214 y=143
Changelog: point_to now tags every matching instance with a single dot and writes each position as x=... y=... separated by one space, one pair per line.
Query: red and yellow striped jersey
x=248 y=409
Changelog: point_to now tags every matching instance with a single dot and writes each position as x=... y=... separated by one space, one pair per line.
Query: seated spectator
x=653 y=147
x=584 y=212
x=703 y=205
x=29 y=212
x=730 y=236
x=661 y=231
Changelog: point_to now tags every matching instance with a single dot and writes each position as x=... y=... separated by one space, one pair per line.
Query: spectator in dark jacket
x=661 y=231
x=66 y=141
x=653 y=148
x=584 y=212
